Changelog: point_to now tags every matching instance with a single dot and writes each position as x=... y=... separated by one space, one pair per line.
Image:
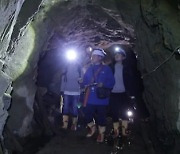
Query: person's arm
x=86 y=78
x=110 y=81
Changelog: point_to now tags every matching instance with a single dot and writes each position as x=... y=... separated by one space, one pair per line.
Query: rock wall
x=23 y=65
x=28 y=39
x=18 y=64
x=21 y=44
x=156 y=25
x=9 y=12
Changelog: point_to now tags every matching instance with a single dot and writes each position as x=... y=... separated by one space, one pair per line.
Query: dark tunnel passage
x=51 y=101
x=34 y=44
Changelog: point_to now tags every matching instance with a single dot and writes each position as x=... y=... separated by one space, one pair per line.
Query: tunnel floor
x=70 y=142
x=77 y=143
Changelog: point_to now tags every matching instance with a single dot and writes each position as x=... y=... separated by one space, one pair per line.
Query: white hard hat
x=99 y=52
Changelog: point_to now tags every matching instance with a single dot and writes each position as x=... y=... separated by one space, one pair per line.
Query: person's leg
x=89 y=111
x=114 y=107
x=125 y=106
x=115 y=103
x=101 y=121
x=66 y=111
x=124 y=127
x=74 y=113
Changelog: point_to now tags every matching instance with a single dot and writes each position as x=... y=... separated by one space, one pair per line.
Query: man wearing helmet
x=97 y=75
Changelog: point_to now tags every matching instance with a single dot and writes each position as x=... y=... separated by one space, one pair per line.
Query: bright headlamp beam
x=117 y=49
x=71 y=54
x=129 y=113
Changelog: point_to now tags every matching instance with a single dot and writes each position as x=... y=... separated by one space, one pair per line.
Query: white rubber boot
x=124 y=127
x=100 y=137
x=92 y=129
x=116 y=129
x=65 y=121
x=74 y=123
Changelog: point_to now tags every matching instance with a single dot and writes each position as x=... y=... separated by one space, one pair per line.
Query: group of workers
x=109 y=89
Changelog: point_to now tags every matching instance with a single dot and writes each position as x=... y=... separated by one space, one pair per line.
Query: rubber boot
x=92 y=129
x=74 y=124
x=116 y=129
x=65 y=121
x=124 y=127
x=100 y=137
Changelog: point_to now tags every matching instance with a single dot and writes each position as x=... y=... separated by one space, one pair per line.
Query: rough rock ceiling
x=81 y=26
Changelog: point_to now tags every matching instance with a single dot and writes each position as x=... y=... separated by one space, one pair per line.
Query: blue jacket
x=105 y=76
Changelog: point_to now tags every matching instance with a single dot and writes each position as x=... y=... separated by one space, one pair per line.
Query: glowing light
x=117 y=48
x=90 y=49
x=71 y=54
x=178 y=50
x=129 y=113
x=79 y=105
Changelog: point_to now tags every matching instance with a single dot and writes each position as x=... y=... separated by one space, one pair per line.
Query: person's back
x=71 y=79
x=71 y=90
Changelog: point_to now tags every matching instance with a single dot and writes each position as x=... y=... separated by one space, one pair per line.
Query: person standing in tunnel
x=97 y=75
x=122 y=93
x=71 y=93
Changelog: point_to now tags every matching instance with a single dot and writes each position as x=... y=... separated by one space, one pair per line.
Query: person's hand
x=100 y=84
x=80 y=80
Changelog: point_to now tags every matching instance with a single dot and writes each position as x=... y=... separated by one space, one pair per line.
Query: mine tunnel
x=35 y=35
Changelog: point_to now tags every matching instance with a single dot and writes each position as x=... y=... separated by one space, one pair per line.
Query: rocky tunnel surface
x=35 y=35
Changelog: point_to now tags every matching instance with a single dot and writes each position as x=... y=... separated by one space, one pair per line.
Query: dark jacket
x=131 y=76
